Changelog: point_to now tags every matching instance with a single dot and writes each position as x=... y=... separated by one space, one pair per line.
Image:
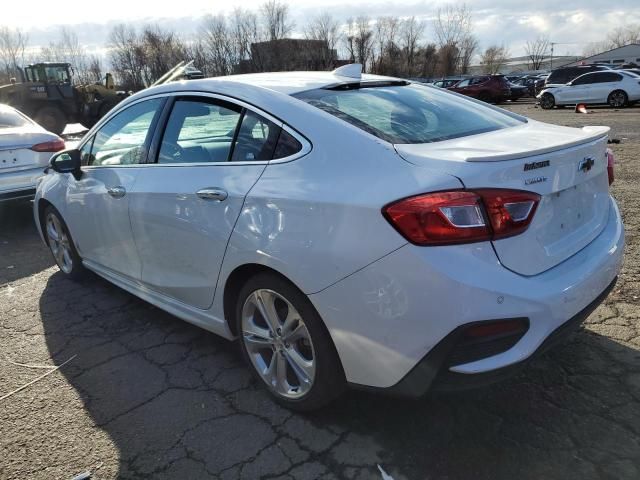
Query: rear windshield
x=11 y=119
x=408 y=113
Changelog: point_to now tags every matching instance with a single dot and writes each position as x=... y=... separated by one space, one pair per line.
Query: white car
x=25 y=150
x=350 y=229
x=614 y=87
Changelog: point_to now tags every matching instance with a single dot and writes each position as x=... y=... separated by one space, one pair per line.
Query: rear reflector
x=52 y=146
x=462 y=216
x=499 y=327
x=610 y=165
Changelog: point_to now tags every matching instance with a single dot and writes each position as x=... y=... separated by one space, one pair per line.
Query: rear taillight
x=462 y=216
x=610 y=165
x=51 y=146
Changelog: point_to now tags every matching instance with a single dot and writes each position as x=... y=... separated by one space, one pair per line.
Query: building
x=523 y=65
x=627 y=55
x=289 y=54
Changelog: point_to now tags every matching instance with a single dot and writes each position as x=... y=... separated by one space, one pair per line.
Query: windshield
x=409 y=113
x=11 y=119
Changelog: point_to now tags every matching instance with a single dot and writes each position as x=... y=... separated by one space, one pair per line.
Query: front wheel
x=286 y=344
x=547 y=101
x=61 y=245
x=617 y=99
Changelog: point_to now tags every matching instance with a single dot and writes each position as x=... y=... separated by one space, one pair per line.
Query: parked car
x=614 y=87
x=447 y=82
x=517 y=91
x=349 y=229
x=488 y=88
x=563 y=75
x=25 y=150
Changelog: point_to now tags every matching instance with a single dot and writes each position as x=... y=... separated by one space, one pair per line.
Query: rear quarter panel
x=318 y=219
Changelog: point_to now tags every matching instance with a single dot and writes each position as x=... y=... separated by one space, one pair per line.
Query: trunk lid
x=566 y=166
x=15 y=149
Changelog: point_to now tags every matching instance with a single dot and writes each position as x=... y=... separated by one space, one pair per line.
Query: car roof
x=288 y=83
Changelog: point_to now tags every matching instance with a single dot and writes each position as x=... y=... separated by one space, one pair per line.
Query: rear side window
x=409 y=113
x=287 y=145
x=257 y=139
x=199 y=132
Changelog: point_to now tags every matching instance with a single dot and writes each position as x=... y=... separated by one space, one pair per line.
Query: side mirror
x=68 y=161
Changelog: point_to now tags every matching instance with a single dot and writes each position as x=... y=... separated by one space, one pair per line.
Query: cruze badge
x=531 y=181
x=536 y=165
x=586 y=164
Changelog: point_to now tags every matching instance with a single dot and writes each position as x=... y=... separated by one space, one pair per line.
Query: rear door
x=185 y=205
x=602 y=85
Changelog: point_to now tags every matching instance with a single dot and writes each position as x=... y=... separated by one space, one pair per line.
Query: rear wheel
x=484 y=97
x=52 y=119
x=617 y=99
x=61 y=244
x=286 y=344
x=547 y=101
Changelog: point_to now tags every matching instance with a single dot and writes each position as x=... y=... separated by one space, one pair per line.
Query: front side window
x=123 y=139
x=199 y=131
x=408 y=113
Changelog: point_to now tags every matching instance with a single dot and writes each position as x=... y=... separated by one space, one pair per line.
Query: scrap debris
x=51 y=370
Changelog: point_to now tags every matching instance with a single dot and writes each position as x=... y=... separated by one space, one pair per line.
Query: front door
x=184 y=208
x=98 y=203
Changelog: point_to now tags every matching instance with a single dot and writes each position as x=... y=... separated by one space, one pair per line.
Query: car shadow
x=22 y=253
x=179 y=403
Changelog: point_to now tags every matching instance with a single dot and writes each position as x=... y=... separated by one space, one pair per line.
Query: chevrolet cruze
x=348 y=229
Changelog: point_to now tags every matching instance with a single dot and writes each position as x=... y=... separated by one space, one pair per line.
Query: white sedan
x=616 y=88
x=349 y=229
x=25 y=150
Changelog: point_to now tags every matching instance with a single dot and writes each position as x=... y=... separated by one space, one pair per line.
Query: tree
x=493 y=58
x=624 y=35
x=218 y=49
x=537 y=51
x=13 y=42
x=359 y=41
x=410 y=33
x=453 y=28
x=326 y=29
x=276 y=19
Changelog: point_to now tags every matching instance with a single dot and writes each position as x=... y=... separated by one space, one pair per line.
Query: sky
x=572 y=24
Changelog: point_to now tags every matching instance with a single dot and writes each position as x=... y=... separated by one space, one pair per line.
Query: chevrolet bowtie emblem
x=586 y=164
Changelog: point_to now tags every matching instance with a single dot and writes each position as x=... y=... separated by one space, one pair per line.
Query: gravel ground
x=149 y=396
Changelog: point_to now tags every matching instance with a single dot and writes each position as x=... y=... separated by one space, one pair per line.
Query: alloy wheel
x=278 y=343
x=59 y=243
x=617 y=99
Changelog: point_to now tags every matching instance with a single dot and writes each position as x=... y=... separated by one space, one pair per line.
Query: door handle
x=117 y=192
x=212 y=193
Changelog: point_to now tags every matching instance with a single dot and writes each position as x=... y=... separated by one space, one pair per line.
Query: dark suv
x=563 y=75
x=488 y=88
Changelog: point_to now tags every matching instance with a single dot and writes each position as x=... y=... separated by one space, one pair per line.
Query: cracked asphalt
x=150 y=396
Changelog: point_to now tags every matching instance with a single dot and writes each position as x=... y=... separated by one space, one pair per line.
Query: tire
x=484 y=97
x=271 y=345
x=52 y=119
x=547 y=101
x=61 y=244
x=617 y=99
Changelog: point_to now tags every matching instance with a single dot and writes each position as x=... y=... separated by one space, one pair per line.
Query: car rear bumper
x=386 y=318
x=19 y=184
